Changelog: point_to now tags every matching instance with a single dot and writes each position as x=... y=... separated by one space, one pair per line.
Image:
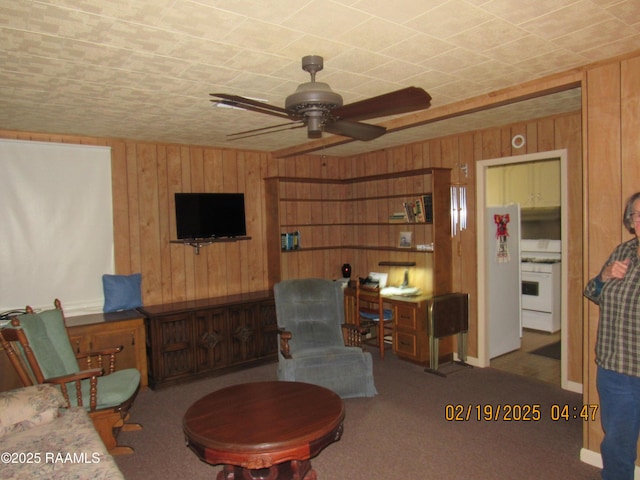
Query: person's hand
x=617 y=269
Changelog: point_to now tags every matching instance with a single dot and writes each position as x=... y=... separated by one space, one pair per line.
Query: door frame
x=483 y=325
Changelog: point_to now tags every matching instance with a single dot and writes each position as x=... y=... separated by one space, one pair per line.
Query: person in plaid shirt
x=616 y=289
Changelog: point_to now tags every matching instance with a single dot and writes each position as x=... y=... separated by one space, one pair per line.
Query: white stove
x=540 y=272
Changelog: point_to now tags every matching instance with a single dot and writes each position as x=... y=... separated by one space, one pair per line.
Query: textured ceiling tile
x=566 y=20
x=454 y=60
x=326 y=19
x=15 y=14
x=400 y=11
x=548 y=62
x=518 y=12
x=140 y=11
x=131 y=36
x=210 y=74
x=155 y=64
x=489 y=35
x=357 y=60
x=259 y=35
x=604 y=33
x=418 y=49
x=144 y=69
x=375 y=34
x=261 y=63
x=449 y=19
x=273 y=11
x=395 y=71
x=200 y=21
x=613 y=49
x=520 y=49
x=199 y=50
x=628 y=11
x=312 y=45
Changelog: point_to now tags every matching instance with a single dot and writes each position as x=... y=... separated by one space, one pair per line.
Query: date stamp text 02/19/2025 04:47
x=518 y=412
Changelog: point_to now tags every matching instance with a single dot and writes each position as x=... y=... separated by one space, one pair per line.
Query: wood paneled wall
x=612 y=174
x=145 y=176
x=554 y=133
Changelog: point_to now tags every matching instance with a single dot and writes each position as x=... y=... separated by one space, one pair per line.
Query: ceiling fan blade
x=406 y=100
x=263 y=128
x=265 y=133
x=356 y=130
x=249 y=104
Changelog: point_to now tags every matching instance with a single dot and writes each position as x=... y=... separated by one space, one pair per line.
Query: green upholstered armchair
x=310 y=315
x=39 y=348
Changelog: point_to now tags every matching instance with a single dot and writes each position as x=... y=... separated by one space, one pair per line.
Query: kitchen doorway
x=481 y=204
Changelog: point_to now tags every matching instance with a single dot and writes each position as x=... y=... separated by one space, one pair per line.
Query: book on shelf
x=409 y=208
x=290 y=241
x=419 y=210
x=398 y=217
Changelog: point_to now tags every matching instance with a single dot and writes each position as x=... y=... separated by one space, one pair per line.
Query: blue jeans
x=620 y=418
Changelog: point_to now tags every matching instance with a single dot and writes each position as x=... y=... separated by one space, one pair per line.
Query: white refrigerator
x=502 y=279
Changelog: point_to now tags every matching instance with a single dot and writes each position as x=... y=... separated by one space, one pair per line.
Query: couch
x=41 y=438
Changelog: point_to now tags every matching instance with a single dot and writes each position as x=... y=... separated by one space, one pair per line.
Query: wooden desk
x=264 y=430
x=410 y=328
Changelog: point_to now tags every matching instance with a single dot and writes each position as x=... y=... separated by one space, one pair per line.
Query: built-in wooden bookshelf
x=351 y=221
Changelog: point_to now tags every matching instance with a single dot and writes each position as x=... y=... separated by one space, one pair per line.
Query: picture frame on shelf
x=405 y=240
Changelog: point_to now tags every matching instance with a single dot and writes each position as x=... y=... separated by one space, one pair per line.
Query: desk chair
x=39 y=349
x=372 y=315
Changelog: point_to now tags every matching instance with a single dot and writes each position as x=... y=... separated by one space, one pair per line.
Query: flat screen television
x=210 y=215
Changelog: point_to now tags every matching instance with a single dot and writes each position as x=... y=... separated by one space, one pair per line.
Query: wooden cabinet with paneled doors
x=192 y=339
x=533 y=184
x=102 y=330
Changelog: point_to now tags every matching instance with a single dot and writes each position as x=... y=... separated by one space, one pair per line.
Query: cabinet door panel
x=518 y=184
x=495 y=186
x=212 y=339
x=122 y=337
x=243 y=332
x=547 y=180
x=174 y=338
x=269 y=329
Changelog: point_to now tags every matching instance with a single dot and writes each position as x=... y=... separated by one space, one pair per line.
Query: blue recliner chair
x=310 y=315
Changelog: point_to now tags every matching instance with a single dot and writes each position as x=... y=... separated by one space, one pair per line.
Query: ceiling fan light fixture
x=314 y=124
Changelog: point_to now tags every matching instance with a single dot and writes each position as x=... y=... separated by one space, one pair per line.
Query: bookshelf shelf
x=350 y=221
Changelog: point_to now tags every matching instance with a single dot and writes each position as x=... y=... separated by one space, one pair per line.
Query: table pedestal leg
x=294 y=470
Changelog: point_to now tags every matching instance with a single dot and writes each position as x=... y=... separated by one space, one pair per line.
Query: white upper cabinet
x=531 y=184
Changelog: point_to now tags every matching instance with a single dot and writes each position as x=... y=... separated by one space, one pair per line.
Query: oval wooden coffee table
x=264 y=430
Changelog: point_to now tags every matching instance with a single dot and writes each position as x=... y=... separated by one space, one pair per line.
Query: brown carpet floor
x=401 y=433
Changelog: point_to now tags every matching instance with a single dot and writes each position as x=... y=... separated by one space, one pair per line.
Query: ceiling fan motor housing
x=313 y=101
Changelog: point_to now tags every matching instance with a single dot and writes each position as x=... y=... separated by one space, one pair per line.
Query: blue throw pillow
x=122 y=292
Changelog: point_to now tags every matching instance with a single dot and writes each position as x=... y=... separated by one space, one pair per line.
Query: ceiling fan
x=319 y=108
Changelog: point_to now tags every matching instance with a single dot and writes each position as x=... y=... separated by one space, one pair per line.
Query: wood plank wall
x=553 y=133
x=145 y=176
x=612 y=174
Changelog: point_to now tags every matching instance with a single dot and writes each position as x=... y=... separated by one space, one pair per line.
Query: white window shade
x=57 y=225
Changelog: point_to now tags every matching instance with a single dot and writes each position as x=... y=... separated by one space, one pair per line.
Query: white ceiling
x=143 y=69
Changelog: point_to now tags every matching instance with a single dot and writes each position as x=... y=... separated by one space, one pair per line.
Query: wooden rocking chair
x=39 y=349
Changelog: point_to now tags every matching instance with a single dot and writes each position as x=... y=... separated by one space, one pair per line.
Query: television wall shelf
x=198 y=243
